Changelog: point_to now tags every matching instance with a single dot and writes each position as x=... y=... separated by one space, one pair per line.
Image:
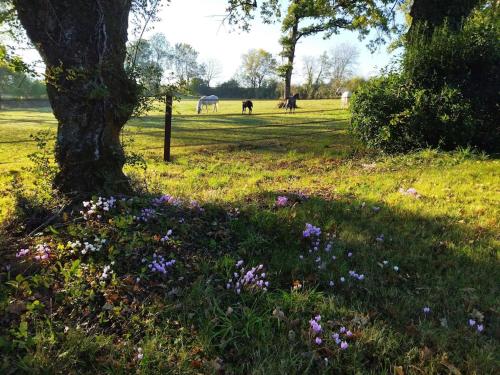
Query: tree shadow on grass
x=442 y=264
x=448 y=266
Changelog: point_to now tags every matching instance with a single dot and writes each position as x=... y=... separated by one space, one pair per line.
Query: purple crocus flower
x=315 y=326
x=344 y=345
x=311 y=230
x=281 y=201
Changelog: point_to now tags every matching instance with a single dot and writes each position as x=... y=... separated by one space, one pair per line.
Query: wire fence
x=328 y=126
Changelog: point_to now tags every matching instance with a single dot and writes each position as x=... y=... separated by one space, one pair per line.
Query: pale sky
x=198 y=22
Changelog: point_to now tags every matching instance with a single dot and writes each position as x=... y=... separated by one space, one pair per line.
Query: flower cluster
x=95 y=208
x=253 y=279
x=86 y=247
x=340 y=338
x=479 y=327
x=281 y=201
x=42 y=252
x=23 y=252
x=195 y=205
x=146 y=215
x=166 y=199
x=106 y=272
x=355 y=275
x=320 y=253
x=316 y=328
x=160 y=265
x=311 y=231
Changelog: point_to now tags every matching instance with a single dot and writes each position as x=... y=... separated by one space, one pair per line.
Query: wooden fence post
x=168 y=127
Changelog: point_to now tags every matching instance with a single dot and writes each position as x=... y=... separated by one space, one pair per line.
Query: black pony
x=246 y=104
x=291 y=103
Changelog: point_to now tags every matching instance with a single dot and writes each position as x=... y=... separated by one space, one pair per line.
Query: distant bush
x=445 y=94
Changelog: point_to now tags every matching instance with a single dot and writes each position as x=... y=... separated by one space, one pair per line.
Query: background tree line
x=158 y=62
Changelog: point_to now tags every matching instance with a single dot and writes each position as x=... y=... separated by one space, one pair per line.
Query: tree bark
x=290 y=56
x=83 y=45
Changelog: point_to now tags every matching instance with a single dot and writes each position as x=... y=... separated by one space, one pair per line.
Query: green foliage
x=258 y=65
x=393 y=115
x=43 y=168
x=446 y=94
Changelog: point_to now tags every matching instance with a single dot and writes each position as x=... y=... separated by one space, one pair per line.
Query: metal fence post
x=168 y=127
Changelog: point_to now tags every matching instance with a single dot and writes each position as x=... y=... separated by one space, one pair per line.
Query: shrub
x=391 y=114
x=445 y=94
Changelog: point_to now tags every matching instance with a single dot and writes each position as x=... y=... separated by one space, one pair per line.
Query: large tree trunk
x=83 y=44
x=290 y=56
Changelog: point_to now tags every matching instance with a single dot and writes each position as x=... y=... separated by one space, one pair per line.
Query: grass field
x=396 y=254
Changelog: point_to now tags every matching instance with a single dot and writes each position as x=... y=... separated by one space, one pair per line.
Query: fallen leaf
x=398 y=370
x=196 y=364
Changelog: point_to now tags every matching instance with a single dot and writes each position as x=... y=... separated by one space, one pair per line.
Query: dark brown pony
x=246 y=104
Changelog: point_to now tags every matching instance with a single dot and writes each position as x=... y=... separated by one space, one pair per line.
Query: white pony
x=206 y=101
x=344 y=99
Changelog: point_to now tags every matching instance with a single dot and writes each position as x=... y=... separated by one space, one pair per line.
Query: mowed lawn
x=396 y=253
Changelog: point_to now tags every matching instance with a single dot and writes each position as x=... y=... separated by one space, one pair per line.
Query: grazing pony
x=246 y=104
x=206 y=101
x=344 y=99
x=291 y=103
